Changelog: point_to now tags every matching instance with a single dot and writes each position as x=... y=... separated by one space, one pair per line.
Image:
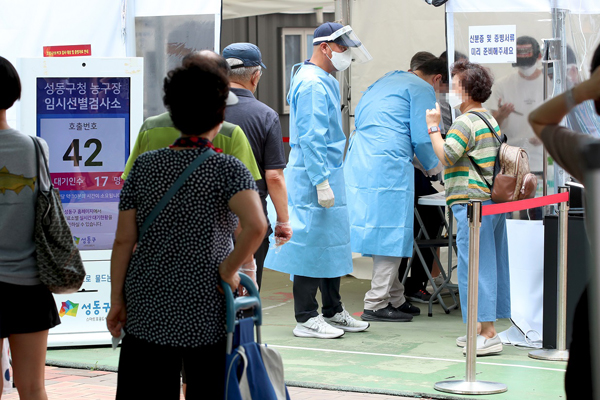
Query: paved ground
x=80 y=384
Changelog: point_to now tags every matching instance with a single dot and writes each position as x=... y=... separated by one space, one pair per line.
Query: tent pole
x=342 y=15
x=559 y=20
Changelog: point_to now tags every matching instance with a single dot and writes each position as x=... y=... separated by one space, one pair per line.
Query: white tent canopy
x=246 y=8
x=575 y=6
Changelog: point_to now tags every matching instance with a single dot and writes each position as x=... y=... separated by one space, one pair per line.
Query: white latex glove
x=283 y=233
x=325 y=194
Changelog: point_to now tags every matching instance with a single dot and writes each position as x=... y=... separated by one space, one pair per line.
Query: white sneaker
x=343 y=320
x=316 y=327
x=487 y=346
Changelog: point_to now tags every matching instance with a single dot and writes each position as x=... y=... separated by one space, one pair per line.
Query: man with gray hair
x=262 y=127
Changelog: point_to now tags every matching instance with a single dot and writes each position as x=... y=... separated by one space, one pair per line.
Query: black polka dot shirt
x=171 y=283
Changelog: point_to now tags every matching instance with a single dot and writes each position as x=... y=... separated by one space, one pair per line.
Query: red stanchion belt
x=503 y=208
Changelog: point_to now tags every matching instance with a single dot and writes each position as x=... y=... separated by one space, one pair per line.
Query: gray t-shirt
x=564 y=145
x=18 y=191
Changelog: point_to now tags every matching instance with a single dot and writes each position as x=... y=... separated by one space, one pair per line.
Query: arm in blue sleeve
x=419 y=103
x=312 y=120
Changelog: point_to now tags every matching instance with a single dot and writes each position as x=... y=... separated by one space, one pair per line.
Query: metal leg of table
x=437 y=289
x=446 y=284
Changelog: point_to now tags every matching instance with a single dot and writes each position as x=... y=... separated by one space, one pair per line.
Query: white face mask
x=341 y=61
x=454 y=100
x=528 y=71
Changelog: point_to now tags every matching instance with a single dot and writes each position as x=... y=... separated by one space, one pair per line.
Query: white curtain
x=158 y=8
x=575 y=6
x=246 y=8
x=393 y=32
x=26 y=26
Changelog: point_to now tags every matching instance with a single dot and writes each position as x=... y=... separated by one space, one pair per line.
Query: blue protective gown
x=320 y=245
x=390 y=129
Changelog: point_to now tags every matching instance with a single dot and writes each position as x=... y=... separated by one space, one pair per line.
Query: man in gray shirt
x=262 y=127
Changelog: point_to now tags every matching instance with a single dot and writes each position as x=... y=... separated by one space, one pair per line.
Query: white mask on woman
x=454 y=100
x=341 y=61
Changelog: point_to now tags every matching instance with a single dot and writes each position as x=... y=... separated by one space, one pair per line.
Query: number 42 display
x=74 y=149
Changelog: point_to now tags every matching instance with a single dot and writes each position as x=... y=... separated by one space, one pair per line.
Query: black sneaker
x=422 y=296
x=388 y=314
x=408 y=308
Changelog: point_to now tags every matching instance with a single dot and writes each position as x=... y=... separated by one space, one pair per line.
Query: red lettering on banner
x=77 y=50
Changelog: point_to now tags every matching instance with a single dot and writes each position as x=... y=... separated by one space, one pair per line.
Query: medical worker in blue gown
x=319 y=252
x=379 y=172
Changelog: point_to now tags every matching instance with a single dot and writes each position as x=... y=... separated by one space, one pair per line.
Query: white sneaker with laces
x=343 y=320
x=316 y=327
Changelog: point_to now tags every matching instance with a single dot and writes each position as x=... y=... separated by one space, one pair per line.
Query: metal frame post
x=592 y=201
x=470 y=385
x=560 y=353
x=551 y=54
x=343 y=16
x=559 y=31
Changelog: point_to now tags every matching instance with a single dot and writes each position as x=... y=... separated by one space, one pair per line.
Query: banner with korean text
x=493 y=44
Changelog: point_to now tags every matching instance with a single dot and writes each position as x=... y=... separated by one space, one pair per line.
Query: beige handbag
x=512 y=177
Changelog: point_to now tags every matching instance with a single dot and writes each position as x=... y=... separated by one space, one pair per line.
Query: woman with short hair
x=166 y=293
x=27 y=332
x=469 y=153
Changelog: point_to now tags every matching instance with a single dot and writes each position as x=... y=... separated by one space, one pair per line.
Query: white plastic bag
x=5 y=368
x=526 y=259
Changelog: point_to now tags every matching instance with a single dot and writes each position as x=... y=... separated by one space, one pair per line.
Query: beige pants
x=385 y=285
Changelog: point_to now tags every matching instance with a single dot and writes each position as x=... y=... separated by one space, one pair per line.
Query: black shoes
x=388 y=314
x=408 y=308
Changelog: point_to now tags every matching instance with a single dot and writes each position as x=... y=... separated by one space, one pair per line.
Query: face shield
x=346 y=37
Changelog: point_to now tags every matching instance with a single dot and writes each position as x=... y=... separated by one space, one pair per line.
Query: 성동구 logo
x=69 y=308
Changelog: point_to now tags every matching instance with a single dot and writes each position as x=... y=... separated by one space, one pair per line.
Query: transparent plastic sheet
x=582 y=36
x=508 y=86
x=163 y=42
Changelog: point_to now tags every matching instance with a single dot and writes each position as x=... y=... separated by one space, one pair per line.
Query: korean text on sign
x=493 y=44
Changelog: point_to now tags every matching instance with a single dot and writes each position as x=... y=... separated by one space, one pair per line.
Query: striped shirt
x=470 y=136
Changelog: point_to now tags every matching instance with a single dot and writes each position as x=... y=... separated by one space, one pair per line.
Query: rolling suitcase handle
x=242 y=303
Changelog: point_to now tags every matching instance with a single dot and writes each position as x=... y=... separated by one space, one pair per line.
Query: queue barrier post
x=470 y=385
x=560 y=353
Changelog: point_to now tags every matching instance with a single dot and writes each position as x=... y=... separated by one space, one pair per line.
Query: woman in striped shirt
x=469 y=153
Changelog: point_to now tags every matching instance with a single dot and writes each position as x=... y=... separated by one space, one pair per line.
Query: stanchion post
x=592 y=210
x=474 y=215
x=470 y=385
x=560 y=353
